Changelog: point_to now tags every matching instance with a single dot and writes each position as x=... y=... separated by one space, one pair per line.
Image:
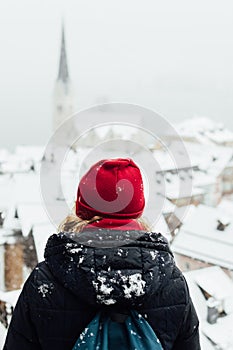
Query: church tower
x=63 y=92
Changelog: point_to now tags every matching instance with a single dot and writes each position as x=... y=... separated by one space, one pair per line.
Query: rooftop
x=205 y=130
x=41 y=233
x=219 y=333
x=200 y=238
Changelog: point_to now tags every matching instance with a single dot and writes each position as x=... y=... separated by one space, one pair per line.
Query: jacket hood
x=106 y=267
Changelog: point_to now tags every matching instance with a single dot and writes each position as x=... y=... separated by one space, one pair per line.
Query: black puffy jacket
x=103 y=270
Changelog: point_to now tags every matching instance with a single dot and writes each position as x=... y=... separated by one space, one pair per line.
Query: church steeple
x=63 y=91
x=63 y=73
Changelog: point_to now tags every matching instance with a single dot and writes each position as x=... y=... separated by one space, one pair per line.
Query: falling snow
x=75 y=250
x=153 y=254
x=120 y=252
x=45 y=288
x=104 y=289
x=134 y=285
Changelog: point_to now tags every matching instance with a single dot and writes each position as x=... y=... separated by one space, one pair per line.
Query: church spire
x=63 y=73
x=63 y=90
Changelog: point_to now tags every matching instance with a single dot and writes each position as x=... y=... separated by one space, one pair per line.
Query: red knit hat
x=112 y=188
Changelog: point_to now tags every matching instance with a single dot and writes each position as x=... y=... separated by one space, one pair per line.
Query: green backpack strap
x=141 y=335
x=119 y=331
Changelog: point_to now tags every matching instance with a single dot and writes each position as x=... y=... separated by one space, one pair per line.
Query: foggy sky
x=175 y=57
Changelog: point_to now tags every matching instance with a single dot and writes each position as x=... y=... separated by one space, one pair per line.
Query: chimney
x=212 y=310
x=13 y=261
x=222 y=224
x=12 y=256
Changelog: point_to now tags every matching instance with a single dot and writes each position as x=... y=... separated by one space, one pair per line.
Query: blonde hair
x=73 y=223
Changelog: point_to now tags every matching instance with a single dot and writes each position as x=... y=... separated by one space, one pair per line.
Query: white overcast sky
x=173 y=56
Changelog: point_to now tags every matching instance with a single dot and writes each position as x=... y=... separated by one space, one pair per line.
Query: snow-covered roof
x=161 y=226
x=199 y=237
x=226 y=205
x=212 y=159
x=3 y=333
x=197 y=296
x=202 y=179
x=73 y=160
x=221 y=332
x=206 y=343
x=218 y=292
x=19 y=187
x=124 y=131
x=41 y=233
x=2 y=240
x=223 y=290
x=27 y=188
x=168 y=206
x=10 y=297
x=198 y=124
x=217 y=283
x=220 y=135
x=4 y=153
x=167 y=161
x=112 y=116
x=15 y=164
x=21 y=160
x=174 y=190
x=184 y=212
x=31 y=214
x=202 y=168
x=13 y=190
x=11 y=223
x=30 y=152
x=203 y=129
x=7 y=191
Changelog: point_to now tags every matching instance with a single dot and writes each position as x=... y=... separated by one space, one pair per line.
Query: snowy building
x=23 y=160
x=211 y=185
x=11 y=257
x=213 y=284
x=36 y=229
x=31 y=153
x=17 y=255
x=14 y=242
x=227 y=178
x=2 y=335
x=161 y=226
x=15 y=164
x=181 y=198
x=208 y=170
x=205 y=131
x=178 y=188
x=226 y=206
x=22 y=243
x=178 y=217
x=7 y=303
x=205 y=238
x=174 y=177
x=215 y=170
x=41 y=233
